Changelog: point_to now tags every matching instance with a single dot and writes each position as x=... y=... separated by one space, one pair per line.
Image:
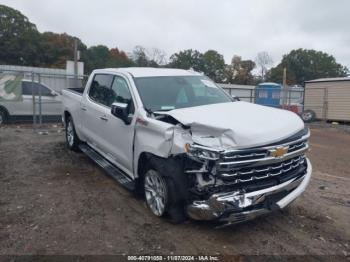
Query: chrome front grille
x=262 y=156
x=263 y=172
x=276 y=162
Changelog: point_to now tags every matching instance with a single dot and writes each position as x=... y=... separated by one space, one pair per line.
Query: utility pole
x=76 y=62
x=284 y=92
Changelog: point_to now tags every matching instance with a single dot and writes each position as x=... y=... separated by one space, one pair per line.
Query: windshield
x=170 y=92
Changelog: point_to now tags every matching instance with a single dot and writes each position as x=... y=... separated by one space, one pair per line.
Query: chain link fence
x=319 y=104
x=286 y=98
x=33 y=97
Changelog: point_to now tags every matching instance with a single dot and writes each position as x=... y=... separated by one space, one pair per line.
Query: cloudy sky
x=228 y=26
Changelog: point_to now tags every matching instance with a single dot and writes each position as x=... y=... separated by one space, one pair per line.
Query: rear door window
x=27 y=89
x=100 y=90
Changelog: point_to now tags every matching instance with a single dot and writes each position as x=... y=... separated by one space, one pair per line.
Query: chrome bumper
x=234 y=203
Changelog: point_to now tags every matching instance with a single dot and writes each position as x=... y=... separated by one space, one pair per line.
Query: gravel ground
x=53 y=201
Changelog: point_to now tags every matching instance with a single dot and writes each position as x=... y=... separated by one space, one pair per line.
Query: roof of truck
x=151 y=71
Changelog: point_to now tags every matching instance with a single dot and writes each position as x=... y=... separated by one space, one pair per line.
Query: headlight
x=201 y=153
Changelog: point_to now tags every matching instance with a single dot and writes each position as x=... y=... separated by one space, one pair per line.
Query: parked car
x=190 y=148
x=50 y=100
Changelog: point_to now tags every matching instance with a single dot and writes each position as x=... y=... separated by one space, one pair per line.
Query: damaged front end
x=237 y=185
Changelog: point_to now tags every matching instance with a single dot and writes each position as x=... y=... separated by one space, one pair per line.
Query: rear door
x=51 y=103
x=25 y=107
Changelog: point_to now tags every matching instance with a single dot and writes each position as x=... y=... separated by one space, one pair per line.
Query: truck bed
x=71 y=99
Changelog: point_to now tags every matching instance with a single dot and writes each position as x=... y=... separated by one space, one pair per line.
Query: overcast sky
x=228 y=26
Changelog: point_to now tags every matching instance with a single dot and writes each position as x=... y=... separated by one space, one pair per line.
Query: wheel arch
x=5 y=110
x=171 y=167
x=66 y=114
x=7 y=114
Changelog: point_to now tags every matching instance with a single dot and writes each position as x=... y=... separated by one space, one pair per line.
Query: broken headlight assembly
x=200 y=153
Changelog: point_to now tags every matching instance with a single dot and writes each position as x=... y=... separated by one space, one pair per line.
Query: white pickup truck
x=190 y=148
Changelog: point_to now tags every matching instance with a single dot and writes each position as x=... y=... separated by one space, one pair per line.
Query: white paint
x=152 y=72
x=237 y=124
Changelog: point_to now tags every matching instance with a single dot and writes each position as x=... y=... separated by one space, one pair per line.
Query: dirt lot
x=53 y=201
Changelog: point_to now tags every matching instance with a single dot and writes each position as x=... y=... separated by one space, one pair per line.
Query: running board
x=108 y=167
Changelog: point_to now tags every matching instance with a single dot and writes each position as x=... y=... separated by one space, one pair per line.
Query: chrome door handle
x=104 y=118
x=83 y=108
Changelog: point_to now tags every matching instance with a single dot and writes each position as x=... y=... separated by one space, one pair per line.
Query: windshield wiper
x=164 y=110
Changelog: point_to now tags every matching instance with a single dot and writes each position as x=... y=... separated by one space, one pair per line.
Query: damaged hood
x=237 y=124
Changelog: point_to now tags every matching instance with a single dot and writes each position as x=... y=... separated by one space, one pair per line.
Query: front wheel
x=156 y=193
x=72 y=139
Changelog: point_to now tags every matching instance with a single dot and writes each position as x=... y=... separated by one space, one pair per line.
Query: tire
x=308 y=116
x=158 y=190
x=3 y=116
x=72 y=139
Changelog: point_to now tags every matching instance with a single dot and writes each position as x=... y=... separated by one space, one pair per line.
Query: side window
x=100 y=90
x=121 y=93
x=44 y=90
x=27 y=89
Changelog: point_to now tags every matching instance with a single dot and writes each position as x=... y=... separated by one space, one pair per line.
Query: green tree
x=240 y=71
x=119 y=58
x=140 y=57
x=56 y=49
x=143 y=57
x=305 y=64
x=187 y=59
x=95 y=57
x=18 y=38
x=214 y=65
x=101 y=57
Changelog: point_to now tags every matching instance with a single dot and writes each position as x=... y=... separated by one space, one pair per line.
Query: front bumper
x=235 y=207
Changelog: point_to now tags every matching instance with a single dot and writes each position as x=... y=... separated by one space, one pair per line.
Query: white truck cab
x=190 y=148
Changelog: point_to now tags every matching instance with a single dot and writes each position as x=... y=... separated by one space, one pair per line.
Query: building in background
x=328 y=98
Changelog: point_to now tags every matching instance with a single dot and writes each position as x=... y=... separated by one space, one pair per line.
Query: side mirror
x=121 y=111
x=53 y=93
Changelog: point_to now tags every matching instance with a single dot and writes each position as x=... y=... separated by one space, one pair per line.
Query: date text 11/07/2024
x=174 y=258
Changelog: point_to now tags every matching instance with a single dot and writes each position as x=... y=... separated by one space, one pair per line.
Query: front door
x=103 y=131
x=121 y=135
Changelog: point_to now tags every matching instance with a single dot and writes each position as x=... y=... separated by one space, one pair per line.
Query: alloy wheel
x=155 y=192
x=70 y=133
x=307 y=116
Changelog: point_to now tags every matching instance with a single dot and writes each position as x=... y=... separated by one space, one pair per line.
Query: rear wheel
x=3 y=117
x=308 y=116
x=72 y=139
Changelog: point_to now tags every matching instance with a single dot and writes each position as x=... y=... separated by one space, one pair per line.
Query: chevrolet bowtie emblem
x=279 y=151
